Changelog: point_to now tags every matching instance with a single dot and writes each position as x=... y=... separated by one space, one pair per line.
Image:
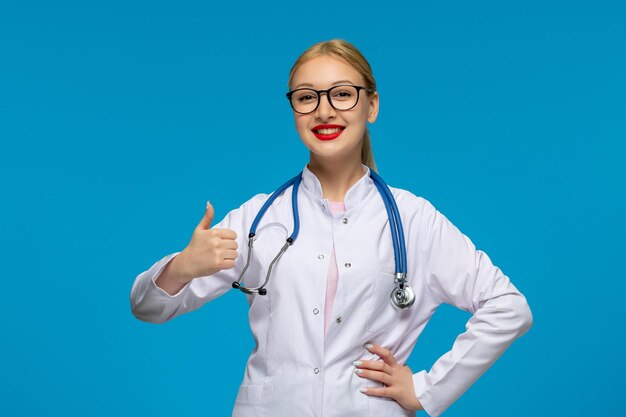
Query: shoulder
x=411 y=203
x=248 y=207
x=418 y=213
x=257 y=199
x=255 y=202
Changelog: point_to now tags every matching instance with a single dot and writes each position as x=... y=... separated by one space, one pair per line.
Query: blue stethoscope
x=402 y=295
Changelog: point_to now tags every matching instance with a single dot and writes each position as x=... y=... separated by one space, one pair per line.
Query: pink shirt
x=333 y=272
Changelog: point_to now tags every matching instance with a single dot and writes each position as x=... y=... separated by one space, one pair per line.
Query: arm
x=172 y=278
x=462 y=276
x=153 y=304
x=167 y=289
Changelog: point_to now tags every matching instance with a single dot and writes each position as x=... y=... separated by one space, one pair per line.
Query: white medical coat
x=296 y=371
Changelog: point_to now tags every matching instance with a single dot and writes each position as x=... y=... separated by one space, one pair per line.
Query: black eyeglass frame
x=319 y=96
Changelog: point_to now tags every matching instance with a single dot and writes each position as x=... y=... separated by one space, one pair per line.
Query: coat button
x=315 y=311
x=348 y=265
x=344 y=220
x=317 y=371
x=339 y=319
x=320 y=256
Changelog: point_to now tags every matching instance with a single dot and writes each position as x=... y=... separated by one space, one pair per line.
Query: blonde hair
x=355 y=58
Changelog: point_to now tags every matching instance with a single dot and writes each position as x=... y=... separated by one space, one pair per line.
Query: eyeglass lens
x=342 y=97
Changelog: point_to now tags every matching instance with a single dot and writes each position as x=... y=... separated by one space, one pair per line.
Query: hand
x=209 y=251
x=397 y=378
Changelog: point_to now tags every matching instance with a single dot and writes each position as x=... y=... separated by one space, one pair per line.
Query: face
x=321 y=73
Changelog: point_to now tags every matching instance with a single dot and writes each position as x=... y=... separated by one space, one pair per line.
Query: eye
x=305 y=96
x=343 y=93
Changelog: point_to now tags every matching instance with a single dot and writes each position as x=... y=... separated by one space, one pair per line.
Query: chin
x=338 y=154
x=336 y=148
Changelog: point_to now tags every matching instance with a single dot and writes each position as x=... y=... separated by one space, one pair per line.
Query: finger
x=225 y=233
x=229 y=244
x=376 y=392
x=374 y=375
x=384 y=354
x=373 y=365
x=230 y=254
x=227 y=264
x=205 y=222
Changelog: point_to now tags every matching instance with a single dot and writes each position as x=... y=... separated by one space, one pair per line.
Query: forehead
x=323 y=71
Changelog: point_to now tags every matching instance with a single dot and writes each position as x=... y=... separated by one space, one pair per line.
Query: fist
x=210 y=250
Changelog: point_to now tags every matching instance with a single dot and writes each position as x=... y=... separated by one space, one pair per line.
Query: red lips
x=327 y=136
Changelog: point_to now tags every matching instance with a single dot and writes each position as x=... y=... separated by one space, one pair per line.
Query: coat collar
x=355 y=195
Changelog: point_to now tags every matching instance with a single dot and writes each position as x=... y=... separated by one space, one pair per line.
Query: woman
x=328 y=340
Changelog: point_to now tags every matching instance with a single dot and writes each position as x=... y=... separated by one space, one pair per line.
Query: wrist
x=419 y=406
x=179 y=271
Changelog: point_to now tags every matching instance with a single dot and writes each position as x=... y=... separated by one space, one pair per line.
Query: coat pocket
x=248 y=400
x=383 y=315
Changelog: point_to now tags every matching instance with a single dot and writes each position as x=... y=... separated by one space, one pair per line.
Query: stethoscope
x=402 y=295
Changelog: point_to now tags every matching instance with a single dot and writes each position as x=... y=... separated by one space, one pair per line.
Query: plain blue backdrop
x=118 y=120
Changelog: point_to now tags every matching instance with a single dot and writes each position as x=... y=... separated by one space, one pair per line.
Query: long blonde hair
x=355 y=58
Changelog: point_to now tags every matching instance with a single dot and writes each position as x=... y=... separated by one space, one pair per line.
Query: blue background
x=118 y=120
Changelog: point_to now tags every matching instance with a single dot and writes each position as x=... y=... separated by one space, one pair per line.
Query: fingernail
x=207 y=203
x=358 y=371
x=357 y=363
x=368 y=346
x=363 y=389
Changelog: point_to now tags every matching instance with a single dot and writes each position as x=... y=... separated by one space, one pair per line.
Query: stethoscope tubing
x=295 y=181
x=397 y=232
x=402 y=296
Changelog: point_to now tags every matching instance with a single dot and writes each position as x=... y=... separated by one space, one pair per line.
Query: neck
x=336 y=178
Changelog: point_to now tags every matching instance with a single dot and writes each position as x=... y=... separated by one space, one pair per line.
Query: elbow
x=523 y=315
x=529 y=319
x=509 y=314
x=139 y=314
x=143 y=312
x=148 y=318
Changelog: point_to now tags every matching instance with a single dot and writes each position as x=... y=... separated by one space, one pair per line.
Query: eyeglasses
x=340 y=97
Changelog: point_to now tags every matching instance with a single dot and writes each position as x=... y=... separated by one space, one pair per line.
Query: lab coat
x=296 y=370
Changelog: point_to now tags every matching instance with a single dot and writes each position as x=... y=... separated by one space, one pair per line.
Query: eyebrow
x=335 y=83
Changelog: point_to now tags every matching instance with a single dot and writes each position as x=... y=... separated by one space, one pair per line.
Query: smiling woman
x=338 y=70
x=361 y=268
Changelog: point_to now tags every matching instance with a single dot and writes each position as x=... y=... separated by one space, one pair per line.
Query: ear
x=373 y=102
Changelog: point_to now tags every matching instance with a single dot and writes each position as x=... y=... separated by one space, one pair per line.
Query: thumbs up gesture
x=210 y=250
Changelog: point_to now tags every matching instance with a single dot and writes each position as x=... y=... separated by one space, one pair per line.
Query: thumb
x=205 y=223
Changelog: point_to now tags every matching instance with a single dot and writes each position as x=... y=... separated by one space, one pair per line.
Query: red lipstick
x=336 y=131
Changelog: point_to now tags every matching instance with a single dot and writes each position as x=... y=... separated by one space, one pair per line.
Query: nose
x=325 y=111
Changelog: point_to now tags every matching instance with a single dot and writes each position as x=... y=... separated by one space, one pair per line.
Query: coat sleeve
x=460 y=275
x=152 y=304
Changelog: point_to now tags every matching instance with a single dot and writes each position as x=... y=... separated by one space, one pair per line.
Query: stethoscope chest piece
x=402 y=298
